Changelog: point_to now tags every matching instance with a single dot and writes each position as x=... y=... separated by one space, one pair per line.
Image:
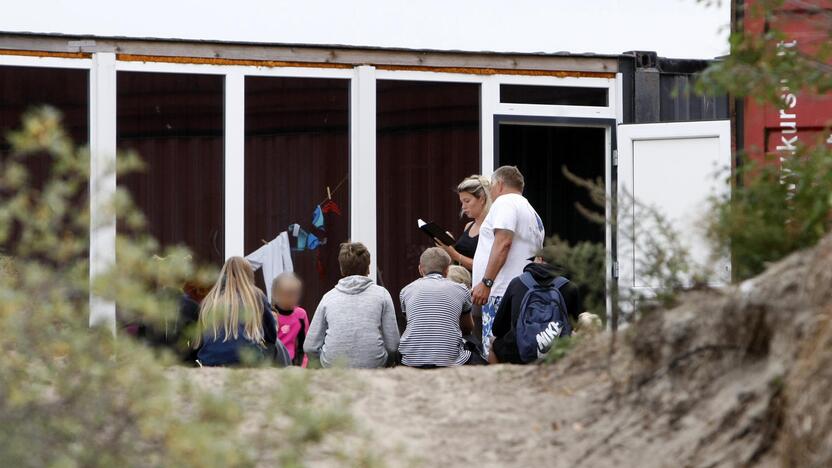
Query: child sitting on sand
x=236 y=325
x=460 y=274
x=292 y=321
x=355 y=323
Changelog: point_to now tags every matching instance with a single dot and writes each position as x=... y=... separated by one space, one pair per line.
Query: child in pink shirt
x=292 y=321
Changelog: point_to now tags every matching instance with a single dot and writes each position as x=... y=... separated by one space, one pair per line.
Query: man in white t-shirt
x=510 y=234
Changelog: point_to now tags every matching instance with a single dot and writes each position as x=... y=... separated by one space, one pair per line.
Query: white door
x=674 y=168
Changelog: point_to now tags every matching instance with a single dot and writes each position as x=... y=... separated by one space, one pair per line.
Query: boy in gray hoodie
x=355 y=323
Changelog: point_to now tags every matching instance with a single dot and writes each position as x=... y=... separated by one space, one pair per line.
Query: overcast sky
x=673 y=28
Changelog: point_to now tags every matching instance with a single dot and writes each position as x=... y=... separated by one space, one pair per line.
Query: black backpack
x=543 y=318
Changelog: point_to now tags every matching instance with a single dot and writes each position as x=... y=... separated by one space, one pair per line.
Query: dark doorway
x=540 y=152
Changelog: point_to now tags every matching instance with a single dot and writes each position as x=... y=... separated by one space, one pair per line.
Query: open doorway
x=540 y=152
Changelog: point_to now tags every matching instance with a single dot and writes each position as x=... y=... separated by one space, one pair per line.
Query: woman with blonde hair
x=475 y=198
x=235 y=321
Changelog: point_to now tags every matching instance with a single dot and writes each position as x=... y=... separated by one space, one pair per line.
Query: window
x=297 y=146
x=175 y=123
x=553 y=95
x=428 y=140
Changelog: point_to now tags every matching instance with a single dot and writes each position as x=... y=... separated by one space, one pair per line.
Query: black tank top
x=467 y=245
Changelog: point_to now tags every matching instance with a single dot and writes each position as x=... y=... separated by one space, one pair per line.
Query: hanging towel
x=318 y=218
x=274 y=257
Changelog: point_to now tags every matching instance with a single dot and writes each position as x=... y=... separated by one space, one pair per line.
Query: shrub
x=583 y=263
x=779 y=208
x=663 y=260
x=75 y=396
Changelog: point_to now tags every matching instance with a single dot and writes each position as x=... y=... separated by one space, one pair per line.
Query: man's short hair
x=354 y=259
x=434 y=260
x=510 y=176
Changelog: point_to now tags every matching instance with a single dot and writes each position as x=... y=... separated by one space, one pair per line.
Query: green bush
x=663 y=261
x=584 y=264
x=74 y=396
x=560 y=349
x=778 y=209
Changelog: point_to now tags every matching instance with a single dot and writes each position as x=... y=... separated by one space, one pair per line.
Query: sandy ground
x=494 y=416
x=732 y=378
x=485 y=416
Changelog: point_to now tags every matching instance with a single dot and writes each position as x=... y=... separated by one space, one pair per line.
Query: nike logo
x=546 y=338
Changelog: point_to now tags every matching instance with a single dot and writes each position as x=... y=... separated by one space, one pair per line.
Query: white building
x=246 y=129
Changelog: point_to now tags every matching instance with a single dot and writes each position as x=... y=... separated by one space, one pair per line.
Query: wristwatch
x=488 y=282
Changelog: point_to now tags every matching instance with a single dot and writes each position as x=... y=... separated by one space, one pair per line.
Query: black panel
x=554 y=95
x=540 y=152
x=663 y=90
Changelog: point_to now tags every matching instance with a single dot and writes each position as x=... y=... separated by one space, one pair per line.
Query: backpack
x=542 y=318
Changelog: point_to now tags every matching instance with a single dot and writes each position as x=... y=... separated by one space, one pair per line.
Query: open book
x=436 y=232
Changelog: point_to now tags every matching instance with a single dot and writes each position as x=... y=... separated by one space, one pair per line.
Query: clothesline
x=329 y=194
x=275 y=256
x=329 y=197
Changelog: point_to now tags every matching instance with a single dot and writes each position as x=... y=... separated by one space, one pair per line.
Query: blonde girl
x=235 y=320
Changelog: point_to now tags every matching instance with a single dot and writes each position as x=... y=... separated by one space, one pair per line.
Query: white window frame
x=46 y=62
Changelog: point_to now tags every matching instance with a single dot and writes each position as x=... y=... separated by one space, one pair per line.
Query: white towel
x=275 y=258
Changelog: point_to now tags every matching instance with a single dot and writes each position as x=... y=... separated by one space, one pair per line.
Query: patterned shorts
x=489 y=311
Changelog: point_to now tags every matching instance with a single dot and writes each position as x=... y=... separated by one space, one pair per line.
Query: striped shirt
x=433 y=305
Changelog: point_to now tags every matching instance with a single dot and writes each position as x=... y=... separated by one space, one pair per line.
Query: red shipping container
x=803 y=118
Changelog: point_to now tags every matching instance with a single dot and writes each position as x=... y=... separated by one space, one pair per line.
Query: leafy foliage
x=759 y=64
x=778 y=210
x=560 y=348
x=782 y=206
x=663 y=260
x=75 y=396
x=583 y=263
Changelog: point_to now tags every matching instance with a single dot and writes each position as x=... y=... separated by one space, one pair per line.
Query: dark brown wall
x=297 y=144
x=175 y=123
x=428 y=140
x=24 y=88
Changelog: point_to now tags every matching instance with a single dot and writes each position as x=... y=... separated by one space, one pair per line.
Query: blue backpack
x=543 y=318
